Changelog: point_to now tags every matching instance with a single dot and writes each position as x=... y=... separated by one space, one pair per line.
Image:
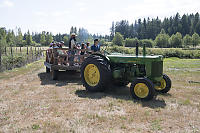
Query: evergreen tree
x=19 y=38
x=49 y=38
x=42 y=39
x=3 y=42
x=10 y=38
x=112 y=31
x=197 y=28
x=71 y=30
x=186 y=28
x=29 y=38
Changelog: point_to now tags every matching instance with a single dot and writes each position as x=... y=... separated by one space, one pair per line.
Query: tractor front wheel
x=165 y=84
x=142 y=89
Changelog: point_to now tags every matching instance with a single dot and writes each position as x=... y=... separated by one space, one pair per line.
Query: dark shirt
x=82 y=47
x=95 y=48
x=70 y=42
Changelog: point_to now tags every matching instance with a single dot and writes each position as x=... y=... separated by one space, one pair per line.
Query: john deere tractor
x=145 y=73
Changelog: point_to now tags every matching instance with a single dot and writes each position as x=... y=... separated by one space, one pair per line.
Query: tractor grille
x=157 y=69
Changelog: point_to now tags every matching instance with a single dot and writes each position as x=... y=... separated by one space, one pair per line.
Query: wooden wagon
x=58 y=59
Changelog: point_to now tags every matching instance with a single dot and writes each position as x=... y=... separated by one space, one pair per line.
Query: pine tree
x=42 y=38
x=49 y=38
x=19 y=38
x=112 y=31
x=10 y=38
x=29 y=38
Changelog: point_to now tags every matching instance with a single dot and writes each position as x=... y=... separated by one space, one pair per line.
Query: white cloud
x=7 y=3
x=51 y=14
x=41 y=14
x=60 y=13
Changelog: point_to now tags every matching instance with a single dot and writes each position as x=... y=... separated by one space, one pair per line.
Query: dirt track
x=33 y=102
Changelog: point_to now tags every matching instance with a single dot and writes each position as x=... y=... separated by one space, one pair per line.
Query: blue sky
x=57 y=16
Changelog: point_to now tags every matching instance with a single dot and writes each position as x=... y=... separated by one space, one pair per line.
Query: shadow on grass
x=120 y=93
x=64 y=78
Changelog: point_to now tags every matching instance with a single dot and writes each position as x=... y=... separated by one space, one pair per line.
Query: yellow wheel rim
x=91 y=74
x=141 y=90
x=162 y=85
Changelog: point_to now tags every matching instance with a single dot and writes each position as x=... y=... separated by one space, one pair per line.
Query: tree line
x=176 y=31
x=150 y=28
x=11 y=38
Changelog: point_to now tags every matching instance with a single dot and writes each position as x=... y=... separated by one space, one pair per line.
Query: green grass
x=156 y=125
x=35 y=127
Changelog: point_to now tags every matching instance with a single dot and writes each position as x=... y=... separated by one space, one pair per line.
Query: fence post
x=27 y=54
x=11 y=51
x=35 y=54
x=32 y=53
x=5 y=51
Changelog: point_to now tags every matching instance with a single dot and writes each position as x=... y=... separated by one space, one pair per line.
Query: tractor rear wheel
x=165 y=84
x=54 y=74
x=95 y=73
x=142 y=89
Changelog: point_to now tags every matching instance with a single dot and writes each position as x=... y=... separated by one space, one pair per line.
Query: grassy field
x=31 y=102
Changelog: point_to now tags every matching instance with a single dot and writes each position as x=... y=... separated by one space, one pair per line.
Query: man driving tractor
x=95 y=47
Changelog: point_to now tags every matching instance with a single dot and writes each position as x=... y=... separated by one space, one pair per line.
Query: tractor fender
x=104 y=57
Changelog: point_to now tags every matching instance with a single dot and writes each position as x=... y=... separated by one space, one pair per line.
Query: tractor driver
x=96 y=46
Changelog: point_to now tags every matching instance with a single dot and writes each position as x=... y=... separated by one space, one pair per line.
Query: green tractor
x=145 y=73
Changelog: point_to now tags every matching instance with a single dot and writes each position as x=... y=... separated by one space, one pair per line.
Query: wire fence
x=14 y=57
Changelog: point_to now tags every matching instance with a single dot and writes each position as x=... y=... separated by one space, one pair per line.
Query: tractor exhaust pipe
x=144 y=50
x=136 y=49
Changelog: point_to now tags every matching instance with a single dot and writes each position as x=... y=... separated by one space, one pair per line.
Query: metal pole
x=144 y=50
x=136 y=49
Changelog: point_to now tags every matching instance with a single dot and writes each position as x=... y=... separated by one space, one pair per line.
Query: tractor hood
x=117 y=58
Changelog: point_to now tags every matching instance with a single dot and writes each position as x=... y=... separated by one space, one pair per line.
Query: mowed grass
x=31 y=102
